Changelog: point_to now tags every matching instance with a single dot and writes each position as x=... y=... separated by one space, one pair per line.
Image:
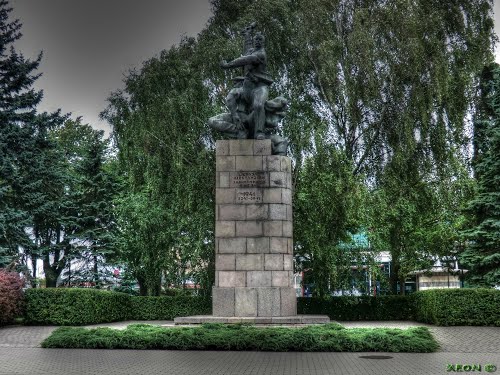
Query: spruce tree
x=482 y=253
x=18 y=101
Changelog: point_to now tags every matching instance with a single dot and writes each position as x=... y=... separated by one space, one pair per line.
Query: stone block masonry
x=253 y=231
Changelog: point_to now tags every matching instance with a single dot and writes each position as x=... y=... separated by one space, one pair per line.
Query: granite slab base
x=295 y=319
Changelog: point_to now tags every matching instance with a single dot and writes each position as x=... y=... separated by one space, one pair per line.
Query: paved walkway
x=20 y=354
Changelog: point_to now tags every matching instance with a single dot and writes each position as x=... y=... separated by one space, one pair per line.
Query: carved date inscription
x=248 y=196
x=249 y=179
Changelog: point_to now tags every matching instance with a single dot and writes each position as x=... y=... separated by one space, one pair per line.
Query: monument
x=253 y=202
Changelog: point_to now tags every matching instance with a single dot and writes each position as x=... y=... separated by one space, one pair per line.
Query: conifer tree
x=482 y=253
x=18 y=101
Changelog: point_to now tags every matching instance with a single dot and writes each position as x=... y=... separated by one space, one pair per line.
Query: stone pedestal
x=253 y=238
x=253 y=232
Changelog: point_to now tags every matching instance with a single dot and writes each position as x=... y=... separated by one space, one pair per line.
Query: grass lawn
x=318 y=338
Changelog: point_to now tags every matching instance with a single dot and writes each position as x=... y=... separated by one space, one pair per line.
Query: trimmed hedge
x=72 y=306
x=455 y=307
x=358 y=307
x=168 y=307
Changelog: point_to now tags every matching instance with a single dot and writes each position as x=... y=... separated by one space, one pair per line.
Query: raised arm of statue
x=252 y=59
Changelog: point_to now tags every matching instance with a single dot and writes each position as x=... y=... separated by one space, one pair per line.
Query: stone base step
x=296 y=319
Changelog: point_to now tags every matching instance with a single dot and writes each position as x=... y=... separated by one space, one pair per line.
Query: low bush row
x=72 y=306
x=359 y=308
x=458 y=307
x=319 y=338
x=90 y=306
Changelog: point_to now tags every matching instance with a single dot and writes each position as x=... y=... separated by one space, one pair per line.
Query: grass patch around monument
x=319 y=338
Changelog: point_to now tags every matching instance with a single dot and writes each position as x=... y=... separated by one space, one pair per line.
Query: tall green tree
x=18 y=101
x=482 y=252
x=164 y=150
x=386 y=84
x=90 y=163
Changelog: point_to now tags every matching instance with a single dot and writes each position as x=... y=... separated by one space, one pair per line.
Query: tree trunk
x=402 y=288
x=51 y=273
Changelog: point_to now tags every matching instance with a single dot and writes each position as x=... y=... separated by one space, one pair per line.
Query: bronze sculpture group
x=251 y=115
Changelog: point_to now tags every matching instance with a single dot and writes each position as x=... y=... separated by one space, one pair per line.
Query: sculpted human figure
x=251 y=115
x=255 y=89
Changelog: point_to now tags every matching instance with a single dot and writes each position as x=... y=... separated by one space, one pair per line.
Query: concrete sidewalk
x=20 y=354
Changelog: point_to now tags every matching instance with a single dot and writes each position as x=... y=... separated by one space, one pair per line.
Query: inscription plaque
x=249 y=179
x=249 y=196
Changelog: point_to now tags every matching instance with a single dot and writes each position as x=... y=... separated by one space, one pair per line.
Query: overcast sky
x=89 y=45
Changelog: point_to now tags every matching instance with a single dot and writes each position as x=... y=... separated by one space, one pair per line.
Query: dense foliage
x=11 y=296
x=381 y=100
x=359 y=308
x=169 y=307
x=320 y=338
x=71 y=306
x=482 y=253
x=381 y=95
x=458 y=307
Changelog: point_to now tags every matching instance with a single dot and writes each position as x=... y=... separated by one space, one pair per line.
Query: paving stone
x=277 y=179
x=268 y=302
x=277 y=211
x=262 y=147
x=280 y=278
x=259 y=278
x=286 y=164
x=228 y=279
x=249 y=228
x=224 y=196
x=287 y=229
x=271 y=195
x=288 y=301
x=273 y=262
x=278 y=245
x=232 y=212
x=289 y=184
x=241 y=147
x=222 y=147
x=235 y=245
x=273 y=163
x=257 y=245
x=257 y=211
x=225 y=163
x=223 y=179
x=249 y=262
x=289 y=212
x=289 y=246
x=20 y=353
x=286 y=196
x=245 y=302
x=288 y=262
x=273 y=228
x=248 y=163
x=225 y=229
x=223 y=301
x=225 y=262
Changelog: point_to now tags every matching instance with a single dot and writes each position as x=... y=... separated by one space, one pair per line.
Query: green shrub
x=72 y=306
x=319 y=338
x=11 y=296
x=358 y=308
x=168 y=308
x=454 y=307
